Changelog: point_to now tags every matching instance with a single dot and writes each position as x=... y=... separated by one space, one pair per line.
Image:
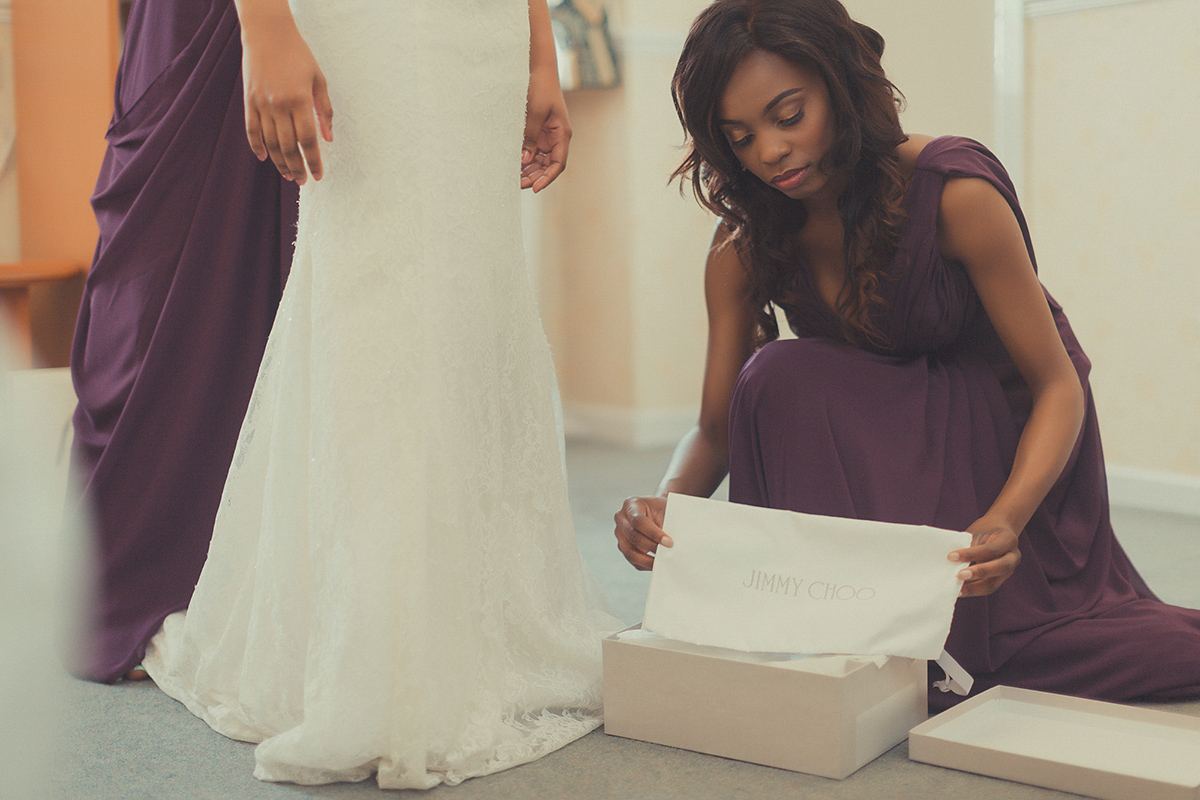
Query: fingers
x=254 y=133
x=324 y=108
x=547 y=177
x=637 y=558
x=533 y=127
x=295 y=131
x=532 y=159
x=541 y=167
x=532 y=165
x=534 y=170
x=556 y=159
x=270 y=139
x=558 y=162
x=986 y=577
x=287 y=133
x=539 y=170
x=992 y=558
x=308 y=150
x=637 y=547
x=638 y=530
x=987 y=546
x=645 y=515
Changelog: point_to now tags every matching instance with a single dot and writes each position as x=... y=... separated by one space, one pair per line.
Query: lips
x=790 y=179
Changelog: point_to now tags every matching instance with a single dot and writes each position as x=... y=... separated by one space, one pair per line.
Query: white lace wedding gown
x=393 y=585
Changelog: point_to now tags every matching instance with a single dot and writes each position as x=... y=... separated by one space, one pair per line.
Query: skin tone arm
x=701 y=458
x=977 y=227
x=287 y=99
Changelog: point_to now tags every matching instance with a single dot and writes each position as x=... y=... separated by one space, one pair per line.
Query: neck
x=825 y=202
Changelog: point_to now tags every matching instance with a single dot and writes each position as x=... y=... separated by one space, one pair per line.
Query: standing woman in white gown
x=393 y=585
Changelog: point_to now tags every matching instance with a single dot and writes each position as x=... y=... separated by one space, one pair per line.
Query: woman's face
x=778 y=120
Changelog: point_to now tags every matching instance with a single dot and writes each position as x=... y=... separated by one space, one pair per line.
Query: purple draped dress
x=195 y=238
x=926 y=434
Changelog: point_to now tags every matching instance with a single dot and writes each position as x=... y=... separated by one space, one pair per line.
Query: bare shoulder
x=974 y=217
x=968 y=198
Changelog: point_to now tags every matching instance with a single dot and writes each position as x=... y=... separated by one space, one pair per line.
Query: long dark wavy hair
x=817 y=35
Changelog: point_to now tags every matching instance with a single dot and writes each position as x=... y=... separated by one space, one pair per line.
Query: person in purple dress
x=195 y=240
x=933 y=381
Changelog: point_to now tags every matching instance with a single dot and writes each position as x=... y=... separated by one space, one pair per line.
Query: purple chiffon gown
x=195 y=239
x=926 y=434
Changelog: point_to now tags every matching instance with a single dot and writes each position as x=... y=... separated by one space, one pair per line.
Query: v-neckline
x=809 y=278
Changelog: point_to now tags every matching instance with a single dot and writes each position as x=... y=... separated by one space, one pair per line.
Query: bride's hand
x=283 y=87
x=547 y=131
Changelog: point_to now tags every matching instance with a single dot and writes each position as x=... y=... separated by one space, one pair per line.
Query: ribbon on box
x=767 y=580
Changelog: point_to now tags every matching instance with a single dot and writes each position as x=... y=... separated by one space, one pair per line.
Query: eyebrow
x=779 y=98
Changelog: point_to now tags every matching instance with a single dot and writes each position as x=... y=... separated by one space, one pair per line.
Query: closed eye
x=793 y=119
x=742 y=142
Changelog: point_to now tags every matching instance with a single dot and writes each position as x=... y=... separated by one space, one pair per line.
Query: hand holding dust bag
x=760 y=579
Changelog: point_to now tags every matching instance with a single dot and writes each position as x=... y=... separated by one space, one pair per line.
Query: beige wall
x=1111 y=190
x=1113 y=195
x=622 y=252
x=940 y=56
x=621 y=257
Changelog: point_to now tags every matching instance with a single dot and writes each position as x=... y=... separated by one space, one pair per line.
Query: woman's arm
x=701 y=458
x=283 y=87
x=977 y=227
x=547 y=129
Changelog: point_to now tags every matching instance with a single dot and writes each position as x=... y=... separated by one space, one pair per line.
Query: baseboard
x=626 y=426
x=1151 y=490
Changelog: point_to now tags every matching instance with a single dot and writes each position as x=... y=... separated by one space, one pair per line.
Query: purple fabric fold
x=195 y=241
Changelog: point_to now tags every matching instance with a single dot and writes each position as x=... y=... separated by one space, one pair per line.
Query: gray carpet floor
x=131 y=741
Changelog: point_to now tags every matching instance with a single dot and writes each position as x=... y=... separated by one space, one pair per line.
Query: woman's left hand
x=993 y=556
x=547 y=131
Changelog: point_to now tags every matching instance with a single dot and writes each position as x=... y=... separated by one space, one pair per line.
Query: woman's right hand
x=639 y=530
x=283 y=87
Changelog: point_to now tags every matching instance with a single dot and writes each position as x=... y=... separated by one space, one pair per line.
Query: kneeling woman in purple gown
x=934 y=381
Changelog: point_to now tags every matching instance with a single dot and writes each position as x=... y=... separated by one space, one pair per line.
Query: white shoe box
x=822 y=715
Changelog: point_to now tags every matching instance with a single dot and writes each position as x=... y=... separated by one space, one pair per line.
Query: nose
x=773 y=147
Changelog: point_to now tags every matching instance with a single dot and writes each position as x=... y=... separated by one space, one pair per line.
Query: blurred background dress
x=195 y=239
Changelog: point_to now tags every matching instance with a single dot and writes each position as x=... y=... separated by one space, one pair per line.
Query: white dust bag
x=761 y=579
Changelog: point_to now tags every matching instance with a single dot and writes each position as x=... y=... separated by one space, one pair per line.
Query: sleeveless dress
x=926 y=433
x=195 y=240
x=394 y=585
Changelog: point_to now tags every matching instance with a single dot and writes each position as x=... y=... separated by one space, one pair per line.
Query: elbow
x=1062 y=398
